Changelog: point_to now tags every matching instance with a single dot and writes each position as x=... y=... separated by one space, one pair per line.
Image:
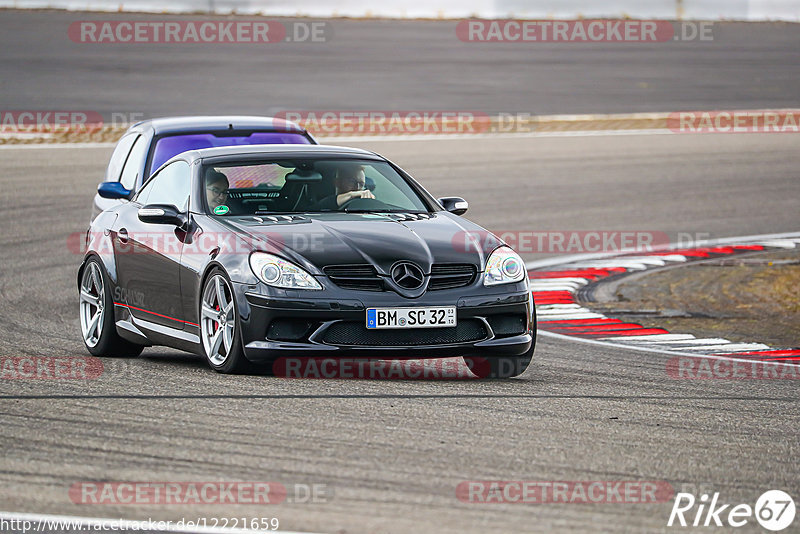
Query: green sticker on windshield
x=220 y=210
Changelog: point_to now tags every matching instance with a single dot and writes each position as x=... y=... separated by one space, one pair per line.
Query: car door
x=148 y=254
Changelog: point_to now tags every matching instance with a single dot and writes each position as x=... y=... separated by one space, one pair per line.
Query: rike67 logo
x=774 y=510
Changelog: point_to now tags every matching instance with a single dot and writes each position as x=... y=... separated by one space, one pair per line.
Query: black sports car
x=247 y=254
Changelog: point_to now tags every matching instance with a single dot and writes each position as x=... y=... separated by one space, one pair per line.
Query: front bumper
x=490 y=324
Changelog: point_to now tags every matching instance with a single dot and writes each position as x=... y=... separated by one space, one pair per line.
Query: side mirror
x=113 y=190
x=161 y=214
x=455 y=205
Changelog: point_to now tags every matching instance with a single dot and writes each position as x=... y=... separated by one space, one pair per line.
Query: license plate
x=428 y=317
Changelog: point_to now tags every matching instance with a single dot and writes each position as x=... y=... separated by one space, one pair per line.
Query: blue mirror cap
x=113 y=190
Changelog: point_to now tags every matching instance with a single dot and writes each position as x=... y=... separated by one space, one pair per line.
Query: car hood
x=319 y=240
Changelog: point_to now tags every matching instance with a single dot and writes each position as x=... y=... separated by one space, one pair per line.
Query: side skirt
x=147 y=333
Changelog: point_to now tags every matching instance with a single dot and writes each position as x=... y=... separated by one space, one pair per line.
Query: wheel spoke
x=227 y=337
x=97 y=284
x=221 y=294
x=228 y=309
x=93 y=324
x=209 y=313
x=99 y=328
x=88 y=297
x=216 y=340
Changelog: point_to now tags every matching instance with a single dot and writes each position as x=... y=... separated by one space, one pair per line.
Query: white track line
x=661 y=339
x=693 y=341
x=731 y=347
x=565 y=280
x=778 y=243
x=68 y=522
x=573 y=316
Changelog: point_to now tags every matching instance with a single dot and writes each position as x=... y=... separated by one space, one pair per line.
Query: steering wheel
x=371 y=204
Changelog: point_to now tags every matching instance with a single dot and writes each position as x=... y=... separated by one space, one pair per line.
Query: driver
x=216 y=189
x=349 y=182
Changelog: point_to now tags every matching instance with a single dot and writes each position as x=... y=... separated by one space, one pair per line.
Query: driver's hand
x=350 y=195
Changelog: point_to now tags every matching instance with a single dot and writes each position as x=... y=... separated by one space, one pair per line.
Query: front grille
x=356 y=334
x=451 y=275
x=363 y=277
x=507 y=325
x=366 y=278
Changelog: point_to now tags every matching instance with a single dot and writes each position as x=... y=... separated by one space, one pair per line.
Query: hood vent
x=409 y=216
x=262 y=218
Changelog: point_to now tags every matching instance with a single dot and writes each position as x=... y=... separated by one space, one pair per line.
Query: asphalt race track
x=392 y=452
x=394 y=65
x=388 y=455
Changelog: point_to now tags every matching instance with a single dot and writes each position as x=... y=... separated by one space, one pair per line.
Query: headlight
x=276 y=272
x=503 y=267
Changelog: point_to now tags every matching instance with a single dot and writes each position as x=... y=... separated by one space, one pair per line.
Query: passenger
x=216 y=189
x=349 y=182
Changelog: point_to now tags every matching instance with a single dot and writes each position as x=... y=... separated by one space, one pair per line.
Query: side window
x=119 y=157
x=133 y=166
x=170 y=186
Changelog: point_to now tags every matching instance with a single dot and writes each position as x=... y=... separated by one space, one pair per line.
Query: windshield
x=308 y=185
x=170 y=146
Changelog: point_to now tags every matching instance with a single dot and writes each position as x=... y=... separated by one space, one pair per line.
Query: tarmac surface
x=391 y=453
x=389 y=65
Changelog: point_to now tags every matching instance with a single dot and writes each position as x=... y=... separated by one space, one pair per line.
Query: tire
x=96 y=310
x=220 y=331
